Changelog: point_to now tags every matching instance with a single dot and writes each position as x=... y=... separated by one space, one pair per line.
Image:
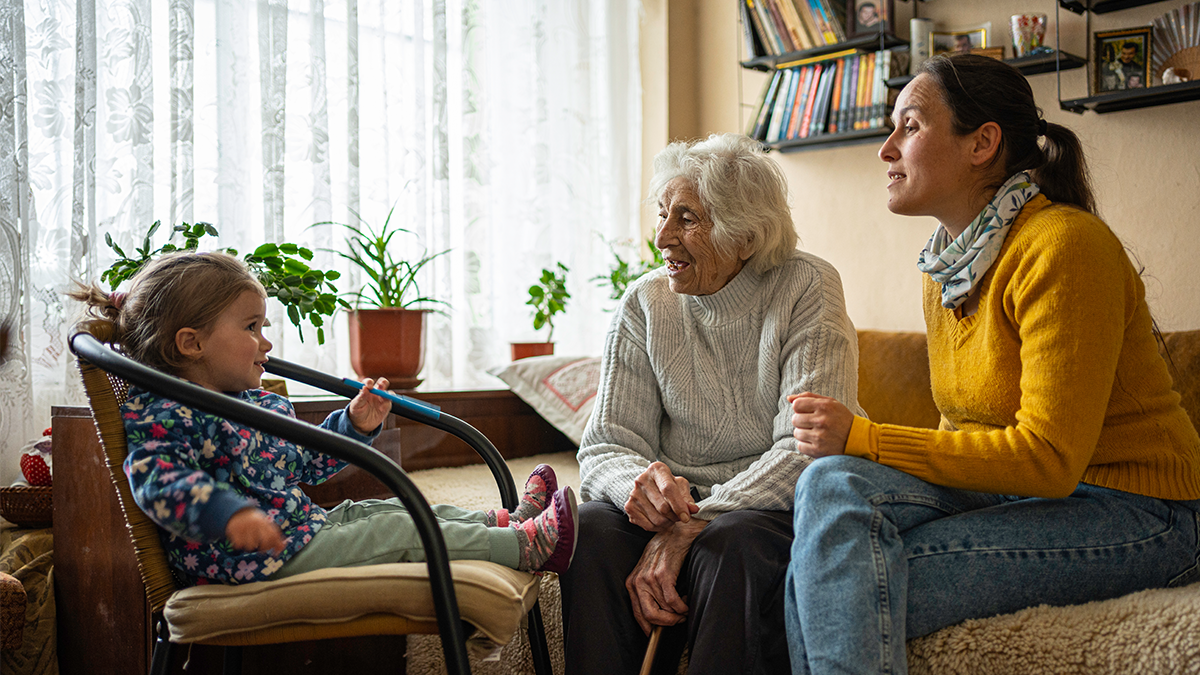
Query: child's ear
x=187 y=341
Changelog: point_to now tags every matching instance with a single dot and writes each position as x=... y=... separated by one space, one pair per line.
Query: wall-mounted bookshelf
x=1034 y=64
x=1129 y=99
x=826 y=85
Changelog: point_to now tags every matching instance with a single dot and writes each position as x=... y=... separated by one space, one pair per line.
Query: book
x=756 y=118
x=835 y=24
x=806 y=121
x=768 y=102
x=753 y=46
x=800 y=38
x=822 y=20
x=777 y=108
x=851 y=94
x=821 y=107
x=789 y=103
x=797 y=107
x=801 y=98
x=864 y=76
x=835 y=99
x=883 y=62
x=785 y=40
x=804 y=11
x=758 y=16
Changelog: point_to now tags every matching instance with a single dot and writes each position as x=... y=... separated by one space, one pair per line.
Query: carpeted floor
x=1155 y=632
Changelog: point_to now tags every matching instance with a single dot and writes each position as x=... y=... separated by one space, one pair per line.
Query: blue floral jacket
x=190 y=471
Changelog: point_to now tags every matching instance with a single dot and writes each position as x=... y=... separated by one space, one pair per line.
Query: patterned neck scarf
x=960 y=264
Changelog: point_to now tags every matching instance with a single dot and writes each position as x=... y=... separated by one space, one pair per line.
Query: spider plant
x=389 y=282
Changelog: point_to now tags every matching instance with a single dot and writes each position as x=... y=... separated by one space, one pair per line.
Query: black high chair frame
x=452 y=629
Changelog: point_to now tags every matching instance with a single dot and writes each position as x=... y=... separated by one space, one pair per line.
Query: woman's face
x=930 y=169
x=684 y=235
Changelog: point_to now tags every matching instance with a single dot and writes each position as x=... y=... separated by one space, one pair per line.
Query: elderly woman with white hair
x=688 y=464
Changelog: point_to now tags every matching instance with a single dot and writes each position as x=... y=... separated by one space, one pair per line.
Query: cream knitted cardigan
x=700 y=383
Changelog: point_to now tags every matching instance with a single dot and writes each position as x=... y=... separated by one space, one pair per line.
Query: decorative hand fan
x=1176 y=40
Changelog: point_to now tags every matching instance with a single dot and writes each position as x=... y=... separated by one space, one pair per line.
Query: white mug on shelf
x=920 y=42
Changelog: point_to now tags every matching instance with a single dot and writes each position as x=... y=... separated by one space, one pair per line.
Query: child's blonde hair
x=174 y=291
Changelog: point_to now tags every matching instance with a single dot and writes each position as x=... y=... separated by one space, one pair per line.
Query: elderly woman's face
x=684 y=235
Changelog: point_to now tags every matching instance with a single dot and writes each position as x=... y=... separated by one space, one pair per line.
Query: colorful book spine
x=750 y=41
x=835 y=98
x=827 y=33
x=777 y=108
x=788 y=104
x=848 y=91
x=762 y=23
x=760 y=110
x=795 y=27
x=814 y=83
x=810 y=23
x=821 y=108
x=797 y=109
x=785 y=40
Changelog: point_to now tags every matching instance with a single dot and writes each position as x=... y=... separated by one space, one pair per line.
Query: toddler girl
x=227 y=496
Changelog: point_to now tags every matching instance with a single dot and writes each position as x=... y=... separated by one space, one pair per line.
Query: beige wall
x=1146 y=162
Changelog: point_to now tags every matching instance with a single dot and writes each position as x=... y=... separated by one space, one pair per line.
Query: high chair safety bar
x=450 y=625
x=416 y=411
x=539 y=648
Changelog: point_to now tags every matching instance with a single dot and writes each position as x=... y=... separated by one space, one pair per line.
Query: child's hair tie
x=117 y=299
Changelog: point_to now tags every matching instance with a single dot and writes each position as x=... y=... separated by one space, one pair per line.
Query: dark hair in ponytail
x=978 y=90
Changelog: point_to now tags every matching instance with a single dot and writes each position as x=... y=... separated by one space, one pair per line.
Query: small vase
x=523 y=350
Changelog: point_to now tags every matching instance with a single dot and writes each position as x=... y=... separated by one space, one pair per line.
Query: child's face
x=233 y=350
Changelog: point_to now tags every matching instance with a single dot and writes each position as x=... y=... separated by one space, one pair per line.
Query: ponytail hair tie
x=1042 y=127
x=117 y=299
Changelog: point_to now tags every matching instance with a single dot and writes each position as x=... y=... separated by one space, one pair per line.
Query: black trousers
x=732 y=580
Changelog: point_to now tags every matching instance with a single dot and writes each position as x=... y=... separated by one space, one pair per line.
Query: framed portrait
x=1121 y=60
x=961 y=41
x=870 y=17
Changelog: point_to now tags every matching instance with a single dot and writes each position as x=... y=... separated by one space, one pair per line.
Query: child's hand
x=252 y=530
x=367 y=410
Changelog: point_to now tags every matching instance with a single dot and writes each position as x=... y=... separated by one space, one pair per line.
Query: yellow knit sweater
x=1055 y=379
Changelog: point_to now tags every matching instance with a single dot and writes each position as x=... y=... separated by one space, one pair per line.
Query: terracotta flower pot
x=388 y=343
x=523 y=350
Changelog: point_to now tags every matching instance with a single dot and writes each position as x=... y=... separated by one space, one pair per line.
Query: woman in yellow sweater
x=1064 y=470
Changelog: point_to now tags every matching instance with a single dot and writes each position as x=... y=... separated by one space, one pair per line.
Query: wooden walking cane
x=648 y=662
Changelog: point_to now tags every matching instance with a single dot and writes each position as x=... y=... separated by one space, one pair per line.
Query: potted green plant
x=624 y=272
x=547 y=297
x=388 y=313
x=307 y=294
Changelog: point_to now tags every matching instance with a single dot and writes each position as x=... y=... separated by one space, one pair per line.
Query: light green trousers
x=374 y=531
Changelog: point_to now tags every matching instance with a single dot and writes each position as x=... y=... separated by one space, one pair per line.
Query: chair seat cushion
x=493 y=598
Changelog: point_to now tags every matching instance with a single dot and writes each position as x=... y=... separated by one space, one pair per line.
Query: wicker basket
x=27 y=506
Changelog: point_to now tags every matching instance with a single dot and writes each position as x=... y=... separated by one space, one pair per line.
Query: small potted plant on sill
x=307 y=294
x=623 y=272
x=388 y=314
x=547 y=297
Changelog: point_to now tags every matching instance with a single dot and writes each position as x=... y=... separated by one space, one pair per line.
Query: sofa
x=1154 y=631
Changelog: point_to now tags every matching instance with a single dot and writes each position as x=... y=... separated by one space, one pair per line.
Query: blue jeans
x=881 y=556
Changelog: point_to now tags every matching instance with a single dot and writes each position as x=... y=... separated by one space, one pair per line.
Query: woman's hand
x=659 y=499
x=822 y=424
x=366 y=410
x=651 y=585
x=250 y=529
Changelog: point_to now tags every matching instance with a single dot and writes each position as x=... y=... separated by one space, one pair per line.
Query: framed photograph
x=1121 y=60
x=961 y=41
x=870 y=17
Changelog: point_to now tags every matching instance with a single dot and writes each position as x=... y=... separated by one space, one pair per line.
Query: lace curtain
x=507 y=132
